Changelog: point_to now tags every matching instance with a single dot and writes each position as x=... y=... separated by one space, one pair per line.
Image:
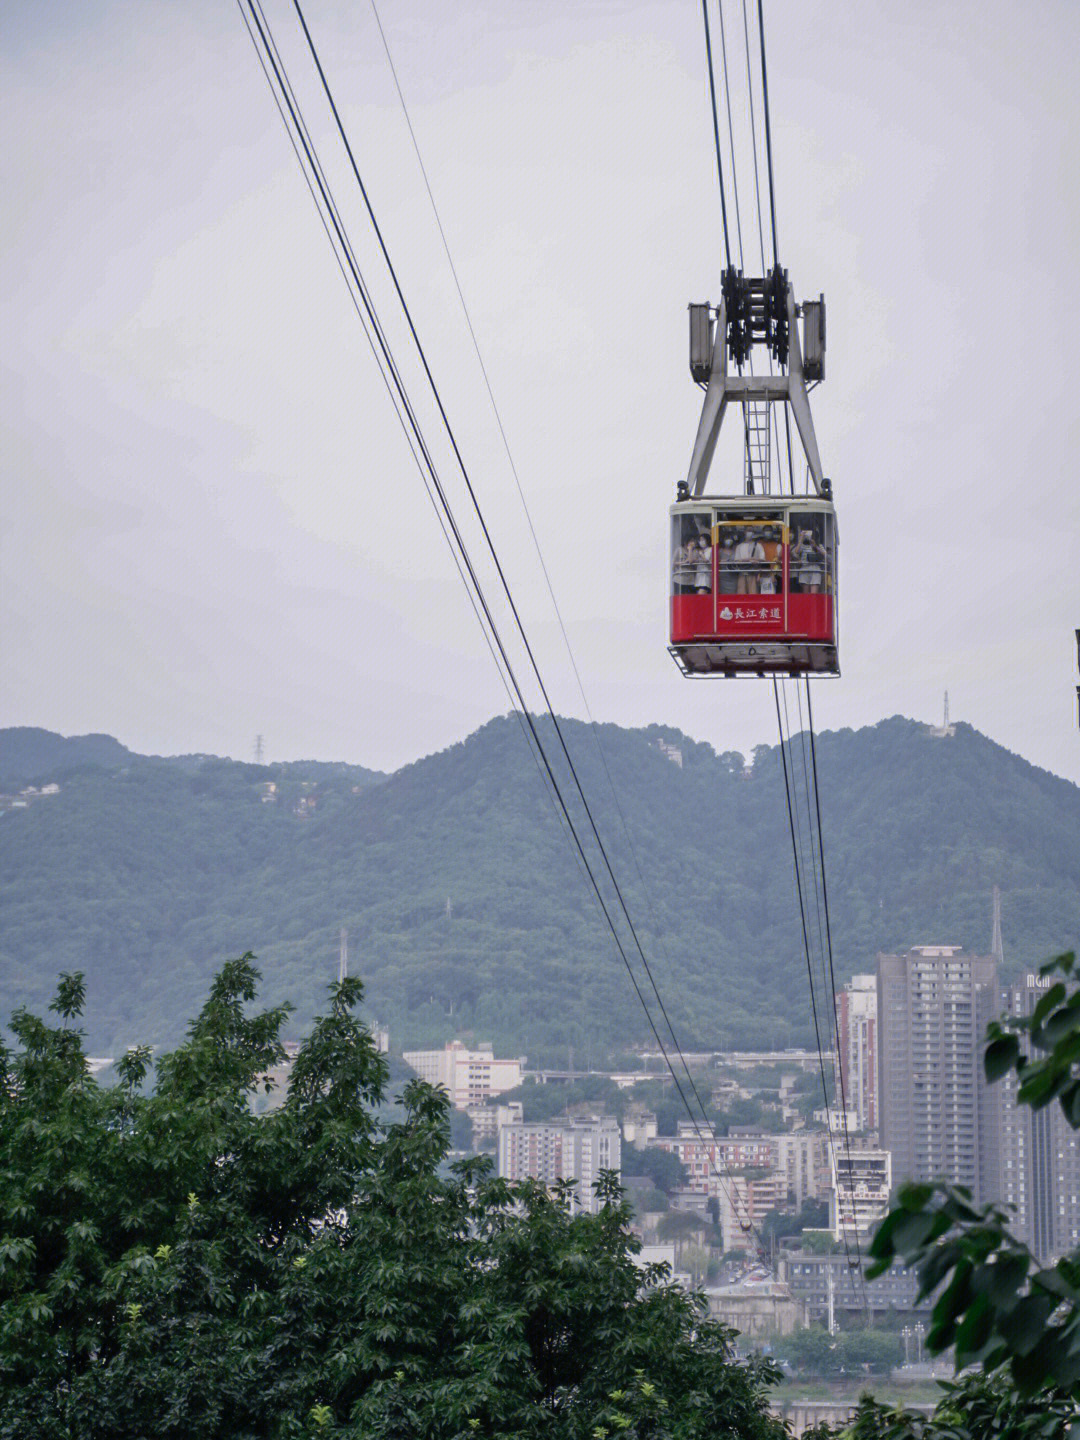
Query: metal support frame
x=723 y=387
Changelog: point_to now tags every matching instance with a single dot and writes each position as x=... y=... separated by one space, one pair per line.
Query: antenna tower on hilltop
x=945 y=723
x=258 y=749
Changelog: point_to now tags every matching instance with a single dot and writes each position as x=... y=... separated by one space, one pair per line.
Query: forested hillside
x=467 y=911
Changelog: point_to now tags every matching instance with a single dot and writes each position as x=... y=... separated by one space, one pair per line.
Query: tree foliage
x=663 y=1167
x=174 y=1263
x=813 y=1351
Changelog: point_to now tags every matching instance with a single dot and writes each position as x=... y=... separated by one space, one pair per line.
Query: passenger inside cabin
x=703 y=566
x=772 y=573
x=726 y=572
x=749 y=558
x=808 y=562
x=682 y=565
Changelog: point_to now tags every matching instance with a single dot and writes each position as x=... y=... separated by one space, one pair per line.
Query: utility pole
x=830 y=1282
x=946 y=721
x=996 y=947
x=258 y=749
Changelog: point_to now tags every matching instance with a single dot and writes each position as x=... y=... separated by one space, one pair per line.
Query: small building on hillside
x=469 y=1076
x=574 y=1149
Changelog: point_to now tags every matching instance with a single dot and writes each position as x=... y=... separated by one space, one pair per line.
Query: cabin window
x=750 y=556
x=691 y=559
x=812 y=559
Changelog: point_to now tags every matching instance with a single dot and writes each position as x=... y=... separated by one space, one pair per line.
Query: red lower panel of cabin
x=701 y=618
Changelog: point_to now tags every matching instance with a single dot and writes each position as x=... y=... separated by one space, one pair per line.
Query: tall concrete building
x=1040 y=1154
x=857 y=1022
x=939 y=1118
x=574 y=1149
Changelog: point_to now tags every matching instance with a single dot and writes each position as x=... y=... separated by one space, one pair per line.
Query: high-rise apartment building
x=574 y=1149
x=1040 y=1154
x=857 y=1023
x=938 y=1117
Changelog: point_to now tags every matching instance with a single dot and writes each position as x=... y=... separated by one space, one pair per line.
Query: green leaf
x=1000 y=1056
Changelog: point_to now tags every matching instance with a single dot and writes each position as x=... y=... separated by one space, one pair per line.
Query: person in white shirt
x=703 y=566
x=749 y=558
x=683 y=567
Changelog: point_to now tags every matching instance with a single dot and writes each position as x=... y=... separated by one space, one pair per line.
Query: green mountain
x=28 y=753
x=467 y=909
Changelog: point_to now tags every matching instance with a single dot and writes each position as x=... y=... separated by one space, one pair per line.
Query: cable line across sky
x=588 y=843
x=421 y=453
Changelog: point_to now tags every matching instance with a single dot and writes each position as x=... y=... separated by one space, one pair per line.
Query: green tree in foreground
x=173 y=1264
x=1016 y=1323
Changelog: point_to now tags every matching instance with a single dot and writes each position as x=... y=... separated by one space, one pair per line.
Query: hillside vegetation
x=468 y=913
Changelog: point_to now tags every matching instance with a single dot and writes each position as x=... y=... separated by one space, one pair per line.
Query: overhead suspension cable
x=790 y=789
x=799 y=890
x=594 y=729
x=790 y=792
x=379 y=363
x=768 y=131
x=832 y=973
x=716 y=128
x=490 y=545
x=458 y=540
x=346 y=262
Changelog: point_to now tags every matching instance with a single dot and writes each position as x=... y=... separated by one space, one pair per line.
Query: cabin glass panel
x=813 y=553
x=691 y=558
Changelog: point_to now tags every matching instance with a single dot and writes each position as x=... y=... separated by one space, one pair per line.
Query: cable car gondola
x=754 y=575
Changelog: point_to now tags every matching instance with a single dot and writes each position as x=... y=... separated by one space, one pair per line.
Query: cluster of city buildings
x=913 y=1102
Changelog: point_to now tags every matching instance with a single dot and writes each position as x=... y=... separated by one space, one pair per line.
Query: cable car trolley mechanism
x=753 y=575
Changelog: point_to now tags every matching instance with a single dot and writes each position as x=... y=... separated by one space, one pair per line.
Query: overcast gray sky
x=211 y=524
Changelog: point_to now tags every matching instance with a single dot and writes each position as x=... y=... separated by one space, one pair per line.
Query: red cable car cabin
x=753 y=585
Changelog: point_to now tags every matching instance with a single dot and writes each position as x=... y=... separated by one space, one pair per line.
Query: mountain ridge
x=467 y=911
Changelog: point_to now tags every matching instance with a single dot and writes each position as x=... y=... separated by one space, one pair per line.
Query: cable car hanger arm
x=740 y=324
